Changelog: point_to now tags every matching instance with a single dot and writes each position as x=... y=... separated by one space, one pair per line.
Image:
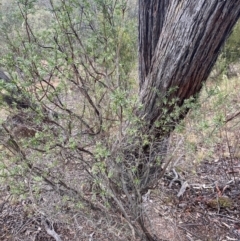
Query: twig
x=165 y=167
x=225 y=216
x=175 y=178
x=190 y=232
x=4 y=202
x=91 y=236
x=232 y=117
x=168 y=160
x=51 y=231
x=183 y=189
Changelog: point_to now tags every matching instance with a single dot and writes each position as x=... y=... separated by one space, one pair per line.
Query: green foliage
x=73 y=61
x=230 y=53
x=232 y=48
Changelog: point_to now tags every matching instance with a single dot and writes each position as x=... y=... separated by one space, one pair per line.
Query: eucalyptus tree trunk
x=179 y=42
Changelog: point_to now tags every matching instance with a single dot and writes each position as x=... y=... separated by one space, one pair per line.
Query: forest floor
x=208 y=210
x=199 y=197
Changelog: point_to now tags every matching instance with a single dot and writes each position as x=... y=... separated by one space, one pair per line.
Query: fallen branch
x=51 y=231
x=183 y=189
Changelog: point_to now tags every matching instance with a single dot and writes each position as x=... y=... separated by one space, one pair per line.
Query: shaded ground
x=208 y=210
x=17 y=224
x=210 y=207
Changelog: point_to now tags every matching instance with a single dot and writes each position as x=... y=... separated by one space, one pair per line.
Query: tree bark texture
x=151 y=18
x=179 y=42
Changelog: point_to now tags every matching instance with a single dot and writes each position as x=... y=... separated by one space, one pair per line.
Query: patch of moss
x=220 y=202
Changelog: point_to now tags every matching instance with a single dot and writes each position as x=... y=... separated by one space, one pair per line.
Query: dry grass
x=215 y=122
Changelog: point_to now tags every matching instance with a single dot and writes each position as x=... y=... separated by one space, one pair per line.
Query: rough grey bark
x=179 y=42
x=151 y=18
